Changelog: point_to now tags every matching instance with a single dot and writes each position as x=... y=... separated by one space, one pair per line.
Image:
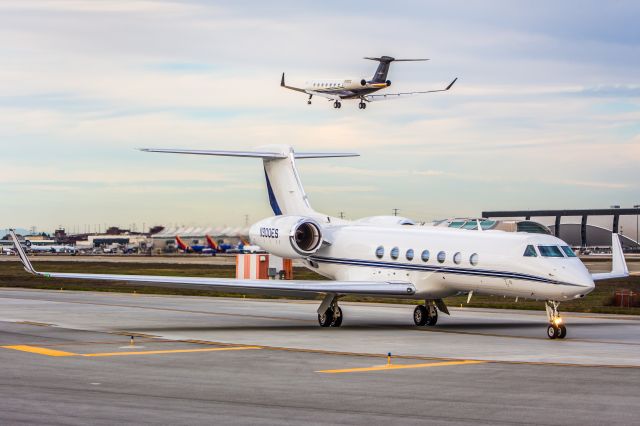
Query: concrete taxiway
x=67 y=358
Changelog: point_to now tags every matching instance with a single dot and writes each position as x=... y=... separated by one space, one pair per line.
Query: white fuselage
x=498 y=267
x=344 y=88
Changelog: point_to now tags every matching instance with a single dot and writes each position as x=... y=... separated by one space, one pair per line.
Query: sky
x=545 y=113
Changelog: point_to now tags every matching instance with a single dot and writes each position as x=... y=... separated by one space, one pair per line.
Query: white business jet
x=359 y=88
x=389 y=256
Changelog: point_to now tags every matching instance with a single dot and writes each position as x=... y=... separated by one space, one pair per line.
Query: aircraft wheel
x=325 y=319
x=552 y=332
x=362 y=105
x=336 y=104
x=337 y=317
x=339 y=104
x=308 y=102
x=562 y=332
x=432 y=317
x=420 y=315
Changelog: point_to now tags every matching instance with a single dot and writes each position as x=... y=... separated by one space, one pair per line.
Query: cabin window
x=425 y=255
x=567 y=250
x=473 y=259
x=380 y=252
x=410 y=254
x=530 y=251
x=442 y=256
x=457 y=258
x=395 y=252
x=550 y=251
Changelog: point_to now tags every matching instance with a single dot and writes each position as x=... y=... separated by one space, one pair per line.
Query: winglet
x=26 y=263
x=282 y=80
x=450 y=84
x=619 y=267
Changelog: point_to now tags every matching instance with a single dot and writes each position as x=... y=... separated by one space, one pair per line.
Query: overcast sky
x=545 y=113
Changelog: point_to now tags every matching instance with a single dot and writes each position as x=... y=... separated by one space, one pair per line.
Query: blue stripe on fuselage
x=441 y=269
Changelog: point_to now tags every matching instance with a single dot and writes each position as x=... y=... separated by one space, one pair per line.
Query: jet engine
x=388 y=83
x=293 y=237
x=363 y=82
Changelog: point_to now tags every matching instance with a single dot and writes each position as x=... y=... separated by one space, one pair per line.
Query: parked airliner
x=359 y=88
x=389 y=256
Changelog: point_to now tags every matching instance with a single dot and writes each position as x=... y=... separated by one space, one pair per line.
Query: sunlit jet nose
x=583 y=281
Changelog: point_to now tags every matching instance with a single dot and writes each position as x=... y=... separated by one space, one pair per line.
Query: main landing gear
x=426 y=314
x=329 y=313
x=337 y=104
x=362 y=105
x=556 y=328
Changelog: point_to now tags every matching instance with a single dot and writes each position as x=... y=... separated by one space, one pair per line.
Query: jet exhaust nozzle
x=388 y=83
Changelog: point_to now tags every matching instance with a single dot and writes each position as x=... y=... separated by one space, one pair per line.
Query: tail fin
x=383 y=69
x=286 y=194
x=181 y=244
x=212 y=244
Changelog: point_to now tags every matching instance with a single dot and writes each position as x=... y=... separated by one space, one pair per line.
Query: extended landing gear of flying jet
x=337 y=104
x=426 y=314
x=329 y=313
x=362 y=105
x=309 y=101
x=556 y=328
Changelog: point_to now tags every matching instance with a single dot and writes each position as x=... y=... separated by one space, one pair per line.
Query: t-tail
x=383 y=68
x=284 y=188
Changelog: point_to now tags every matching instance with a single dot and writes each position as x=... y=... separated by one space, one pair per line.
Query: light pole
x=636 y=206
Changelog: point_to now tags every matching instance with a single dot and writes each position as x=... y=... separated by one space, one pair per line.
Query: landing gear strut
x=329 y=313
x=309 y=101
x=556 y=328
x=362 y=105
x=426 y=314
x=337 y=104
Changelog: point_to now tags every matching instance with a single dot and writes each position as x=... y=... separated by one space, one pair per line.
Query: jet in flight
x=359 y=88
x=388 y=256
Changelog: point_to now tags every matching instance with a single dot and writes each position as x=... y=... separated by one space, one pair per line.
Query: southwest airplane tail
x=212 y=244
x=181 y=244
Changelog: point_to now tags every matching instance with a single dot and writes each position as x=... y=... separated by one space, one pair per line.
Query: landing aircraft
x=359 y=88
x=388 y=256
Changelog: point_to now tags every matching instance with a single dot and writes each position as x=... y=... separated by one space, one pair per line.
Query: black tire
x=339 y=105
x=364 y=106
x=562 y=332
x=335 y=104
x=337 y=318
x=326 y=319
x=420 y=315
x=552 y=332
x=432 y=319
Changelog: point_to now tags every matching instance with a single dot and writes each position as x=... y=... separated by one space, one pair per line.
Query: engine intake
x=363 y=82
x=388 y=83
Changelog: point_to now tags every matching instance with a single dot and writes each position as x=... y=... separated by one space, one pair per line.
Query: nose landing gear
x=556 y=328
x=309 y=101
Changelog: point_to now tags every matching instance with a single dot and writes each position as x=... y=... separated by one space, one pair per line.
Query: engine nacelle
x=293 y=237
x=363 y=82
x=388 y=83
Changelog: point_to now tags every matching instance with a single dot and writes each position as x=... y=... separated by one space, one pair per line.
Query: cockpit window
x=530 y=251
x=550 y=251
x=567 y=250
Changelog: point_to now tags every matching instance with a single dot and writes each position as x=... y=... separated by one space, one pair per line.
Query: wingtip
x=282 y=80
x=452 y=83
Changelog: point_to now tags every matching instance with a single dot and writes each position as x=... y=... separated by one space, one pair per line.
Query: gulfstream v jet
x=362 y=89
x=388 y=256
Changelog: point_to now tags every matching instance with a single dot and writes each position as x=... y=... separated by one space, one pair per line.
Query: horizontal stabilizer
x=252 y=154
x=390 y=59
x=618 y=264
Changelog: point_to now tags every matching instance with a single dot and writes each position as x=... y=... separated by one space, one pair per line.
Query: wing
x=619 y=267
x=388 y=96
x=389 y=288
x=297 y=89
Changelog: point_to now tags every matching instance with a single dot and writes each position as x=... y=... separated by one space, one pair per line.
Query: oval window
x=380 y=252
x=474 y=259
x=410 y=254
x=425 y=255
x=395 y=252
x=457 y=258
x=442 y=256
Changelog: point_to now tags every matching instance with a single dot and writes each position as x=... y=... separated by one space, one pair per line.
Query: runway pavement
x=67 y=358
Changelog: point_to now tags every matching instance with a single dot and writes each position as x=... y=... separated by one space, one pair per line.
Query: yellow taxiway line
x=399 y=366
x=53 y=352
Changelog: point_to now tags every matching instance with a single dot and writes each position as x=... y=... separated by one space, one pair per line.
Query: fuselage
x=441 y=262
x=346 y=88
